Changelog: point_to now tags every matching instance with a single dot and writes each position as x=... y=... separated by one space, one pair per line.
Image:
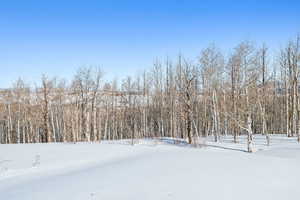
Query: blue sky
x=125 y=37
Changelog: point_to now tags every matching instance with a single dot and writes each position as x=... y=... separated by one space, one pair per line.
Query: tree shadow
x=226 y=148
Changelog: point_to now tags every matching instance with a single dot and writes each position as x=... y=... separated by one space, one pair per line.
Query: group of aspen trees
x=246 y=92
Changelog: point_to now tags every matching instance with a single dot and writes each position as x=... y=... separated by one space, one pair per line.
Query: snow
x=152 y=169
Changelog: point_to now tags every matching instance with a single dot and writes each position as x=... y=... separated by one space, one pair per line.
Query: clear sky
x=125 y=37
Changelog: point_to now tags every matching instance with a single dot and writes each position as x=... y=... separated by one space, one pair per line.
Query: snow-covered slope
x=150 y=170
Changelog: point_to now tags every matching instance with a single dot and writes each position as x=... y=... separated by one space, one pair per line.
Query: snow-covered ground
x=151 y=169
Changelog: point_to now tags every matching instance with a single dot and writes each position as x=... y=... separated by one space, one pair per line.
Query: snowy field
x=151 y=169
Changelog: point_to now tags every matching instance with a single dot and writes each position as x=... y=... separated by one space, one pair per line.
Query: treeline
x=246 y=92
